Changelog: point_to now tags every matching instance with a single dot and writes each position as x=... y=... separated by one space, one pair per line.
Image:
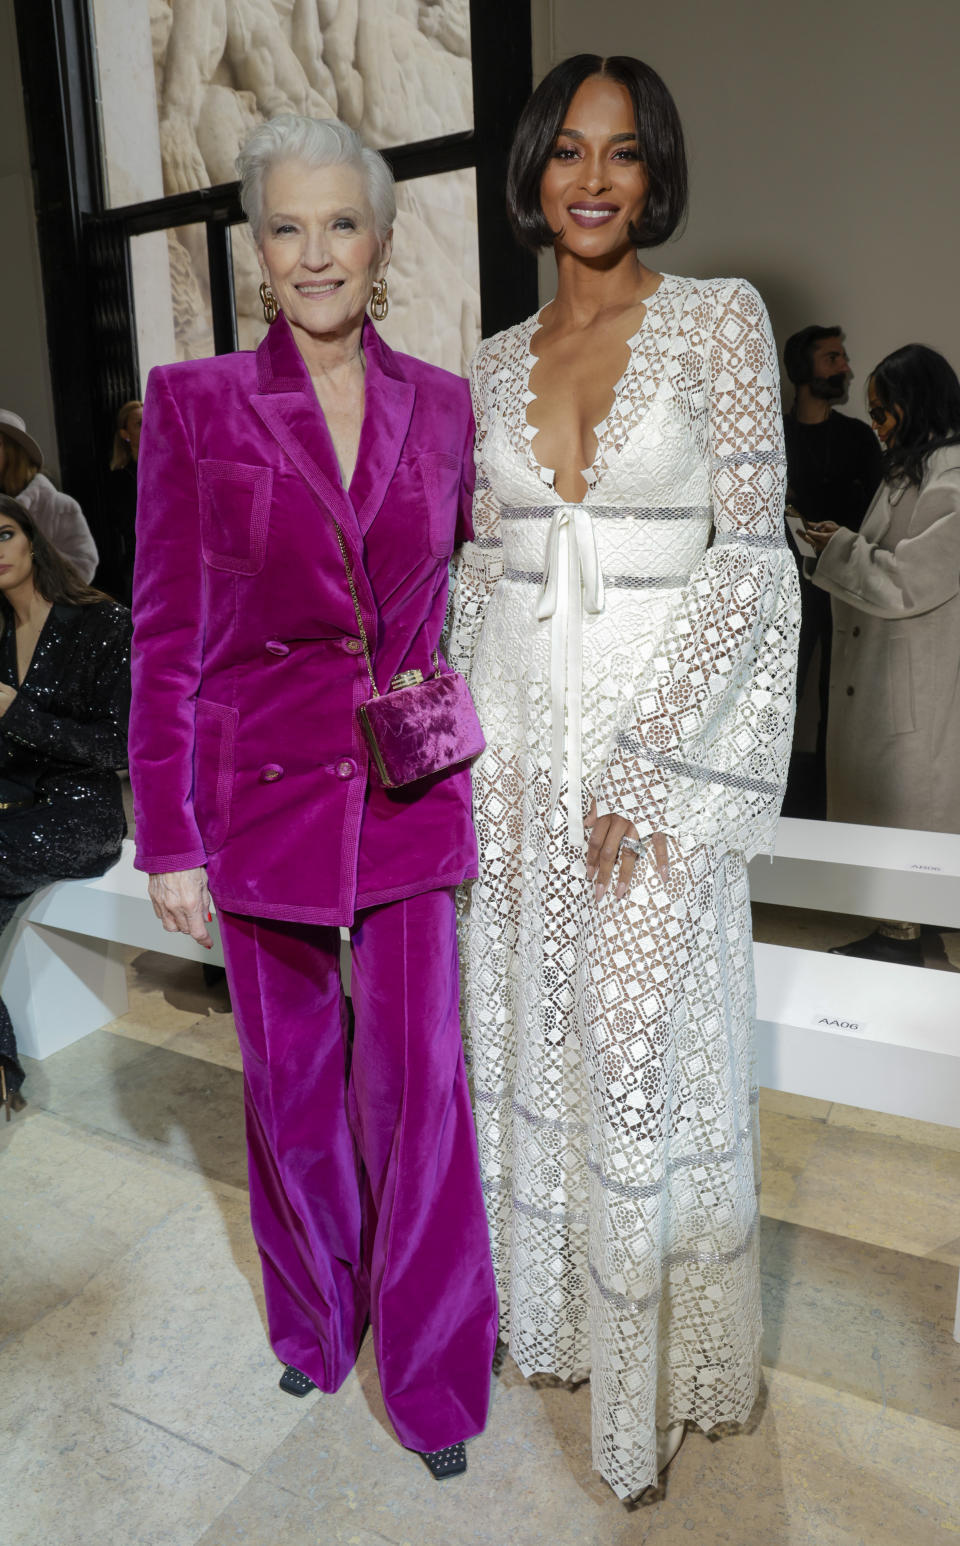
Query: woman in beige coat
x=893 y=746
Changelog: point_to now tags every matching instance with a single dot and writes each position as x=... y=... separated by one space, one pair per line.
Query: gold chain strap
x=356 y=607
x=362 y=631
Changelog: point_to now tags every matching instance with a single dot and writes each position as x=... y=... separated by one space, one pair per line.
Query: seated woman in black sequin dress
x=64 y=701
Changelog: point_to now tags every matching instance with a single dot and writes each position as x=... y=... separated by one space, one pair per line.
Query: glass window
x=434 y=275
x=246 y=288
x=171 y=289
x=181 y=85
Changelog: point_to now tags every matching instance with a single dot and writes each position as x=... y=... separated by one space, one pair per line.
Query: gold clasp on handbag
x=406 y=679
x=413 y=678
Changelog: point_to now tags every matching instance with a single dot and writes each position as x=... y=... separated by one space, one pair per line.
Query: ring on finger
x=633 y=845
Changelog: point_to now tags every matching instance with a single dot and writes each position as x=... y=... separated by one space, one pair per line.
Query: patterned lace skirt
x=612 y=1061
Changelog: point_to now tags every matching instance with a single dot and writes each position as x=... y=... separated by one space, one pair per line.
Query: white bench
x=868 y=1034
x=861 y=1033
x=62 y=968
x=878 y=872
x=864 y=1033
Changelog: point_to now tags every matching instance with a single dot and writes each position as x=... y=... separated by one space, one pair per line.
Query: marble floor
x=138 y=1397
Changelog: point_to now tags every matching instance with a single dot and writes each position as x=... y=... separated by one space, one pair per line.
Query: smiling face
x=16 y=557
x=595 y=184
x=885 y=421
x=319 y=249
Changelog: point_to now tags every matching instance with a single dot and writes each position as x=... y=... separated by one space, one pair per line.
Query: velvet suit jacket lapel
x=287 y=405
x=388 y=407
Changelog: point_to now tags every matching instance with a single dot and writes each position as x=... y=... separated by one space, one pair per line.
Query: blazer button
x=856 y=631
x=849 y=692
x=270 y=773
x=352 y=646
x=347 y=768
x=275 y=647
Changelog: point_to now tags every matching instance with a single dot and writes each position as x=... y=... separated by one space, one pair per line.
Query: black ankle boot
x=883 y=947
x=295 y=1383
x=442 y=1463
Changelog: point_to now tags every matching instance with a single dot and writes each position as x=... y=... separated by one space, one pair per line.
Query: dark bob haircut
x=54 y=577
x=659 y=141
x=798 y=352
x=920 y=388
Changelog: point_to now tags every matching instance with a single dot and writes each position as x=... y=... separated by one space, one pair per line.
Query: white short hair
x=318 y=142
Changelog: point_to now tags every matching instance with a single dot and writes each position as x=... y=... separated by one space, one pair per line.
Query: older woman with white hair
x=297 y=511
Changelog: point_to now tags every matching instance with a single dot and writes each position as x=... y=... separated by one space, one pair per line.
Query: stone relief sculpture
x=398 y=71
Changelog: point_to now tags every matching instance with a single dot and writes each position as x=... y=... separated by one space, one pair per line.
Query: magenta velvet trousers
x=364 y=1182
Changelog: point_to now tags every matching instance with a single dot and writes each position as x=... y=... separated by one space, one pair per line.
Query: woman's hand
x=606 y=835
x=7 y=695
x=182 y=903
x=817 y=534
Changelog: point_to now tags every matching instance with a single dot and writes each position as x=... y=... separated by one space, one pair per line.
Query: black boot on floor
x=882 y=947
x=295 y=1383
x=934 y=951
x=442 y=1463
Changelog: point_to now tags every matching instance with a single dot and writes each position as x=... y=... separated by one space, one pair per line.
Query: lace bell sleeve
x=477 y=564
x=706 y=750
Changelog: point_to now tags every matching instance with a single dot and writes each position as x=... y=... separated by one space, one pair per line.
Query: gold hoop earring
x=379 y=306
x=268 y=301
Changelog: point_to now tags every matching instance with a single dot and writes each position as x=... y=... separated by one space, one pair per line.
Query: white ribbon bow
x=572 y=584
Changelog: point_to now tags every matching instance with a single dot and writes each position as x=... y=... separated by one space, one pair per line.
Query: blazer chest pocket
x=234 y=515
x=440 y=476
x=213 y=769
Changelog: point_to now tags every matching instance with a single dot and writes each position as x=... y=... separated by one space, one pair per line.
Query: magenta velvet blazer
x=245 y=752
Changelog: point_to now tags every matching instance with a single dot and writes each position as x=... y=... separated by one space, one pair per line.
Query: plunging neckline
x=14 y=655
x=590 y=475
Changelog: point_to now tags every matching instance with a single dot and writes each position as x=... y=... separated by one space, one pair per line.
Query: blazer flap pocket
x=213 y=770
x=234 y=515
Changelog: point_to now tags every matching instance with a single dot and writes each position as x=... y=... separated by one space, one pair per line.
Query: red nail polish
x=209 y=917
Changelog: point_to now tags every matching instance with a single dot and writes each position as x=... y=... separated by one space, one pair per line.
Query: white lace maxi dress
x=639 y=648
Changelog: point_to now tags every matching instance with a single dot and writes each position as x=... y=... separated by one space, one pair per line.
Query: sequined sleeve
x=99 y=738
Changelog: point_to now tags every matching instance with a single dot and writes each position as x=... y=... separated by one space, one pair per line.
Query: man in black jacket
x=833 y=472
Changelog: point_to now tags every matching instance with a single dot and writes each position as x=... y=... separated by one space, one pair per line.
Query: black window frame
x=85 y=245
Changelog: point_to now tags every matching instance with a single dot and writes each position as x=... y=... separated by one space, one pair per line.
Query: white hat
x=14 y=428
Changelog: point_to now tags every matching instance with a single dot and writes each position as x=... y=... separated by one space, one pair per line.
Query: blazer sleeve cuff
x=167 y=864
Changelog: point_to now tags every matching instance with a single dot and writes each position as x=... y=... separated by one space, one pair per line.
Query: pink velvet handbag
x=419 y=727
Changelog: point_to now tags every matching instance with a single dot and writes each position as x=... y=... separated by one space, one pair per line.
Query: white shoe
x=668 y=1442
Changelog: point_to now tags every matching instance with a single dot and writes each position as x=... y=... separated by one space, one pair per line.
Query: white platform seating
x=864 y=1033
x=859 y=1032
x=878 y=872
x=62 y=971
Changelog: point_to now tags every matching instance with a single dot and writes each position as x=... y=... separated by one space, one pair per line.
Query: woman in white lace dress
x=627 y=615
